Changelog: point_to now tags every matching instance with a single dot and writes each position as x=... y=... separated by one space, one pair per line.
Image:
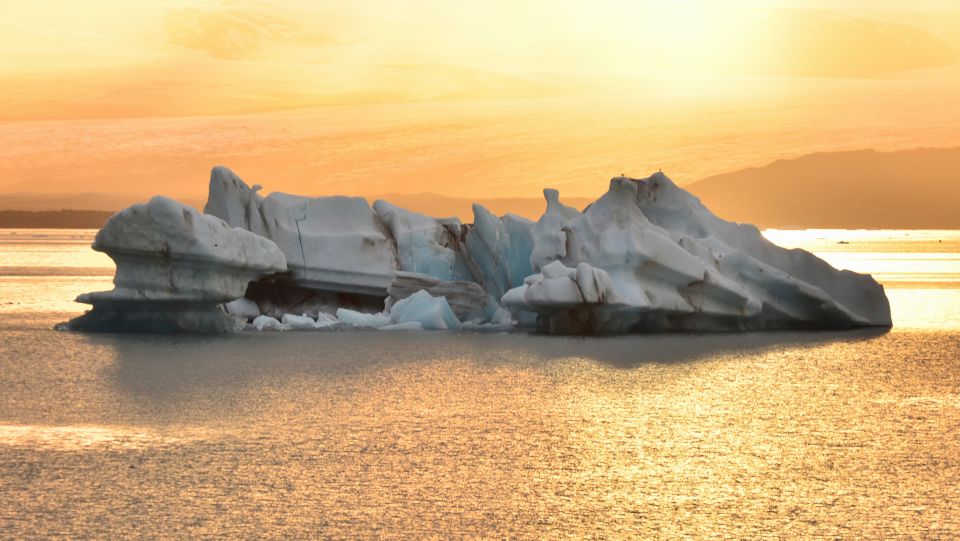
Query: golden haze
x=488 y=99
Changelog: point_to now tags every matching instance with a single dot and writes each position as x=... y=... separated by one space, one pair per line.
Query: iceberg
x=646 y=256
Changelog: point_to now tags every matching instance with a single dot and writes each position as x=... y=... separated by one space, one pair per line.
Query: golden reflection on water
x=43 y=271
x=796 y=435
x=920 y=270
x=67 y=438
x=360 y=434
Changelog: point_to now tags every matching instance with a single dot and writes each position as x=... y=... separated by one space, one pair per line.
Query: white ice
x=359 y=319
x=243 y=307
x=268 y=323
x=432 y=313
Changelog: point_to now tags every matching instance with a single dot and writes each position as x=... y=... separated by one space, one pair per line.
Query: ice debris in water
x=432 y=313
x=359 y=319
x=269 y=323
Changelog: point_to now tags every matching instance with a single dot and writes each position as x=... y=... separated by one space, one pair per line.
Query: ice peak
x=554 y=206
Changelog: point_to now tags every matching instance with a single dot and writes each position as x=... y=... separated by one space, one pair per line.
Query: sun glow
x=542 y=91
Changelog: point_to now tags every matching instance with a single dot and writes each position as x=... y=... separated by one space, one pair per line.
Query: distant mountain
x=109 y=202
x=911 y=189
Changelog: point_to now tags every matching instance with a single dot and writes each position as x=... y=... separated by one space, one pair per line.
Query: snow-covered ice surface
x=647 y=256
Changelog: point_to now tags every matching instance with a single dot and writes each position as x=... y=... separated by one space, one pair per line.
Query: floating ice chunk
x=433 y=313
x=304 y=322
x=243 y=307
x=268 y=323
x=359 y=319
x=406 y=326
x=467 y=299
x=165 y=250
x=325 y=320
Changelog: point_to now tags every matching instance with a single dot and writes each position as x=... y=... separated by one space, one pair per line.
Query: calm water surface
x=350 y=435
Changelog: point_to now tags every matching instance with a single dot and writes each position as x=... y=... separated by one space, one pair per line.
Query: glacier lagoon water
x=370 y=434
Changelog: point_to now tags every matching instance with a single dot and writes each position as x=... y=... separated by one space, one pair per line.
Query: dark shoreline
x=53 y=219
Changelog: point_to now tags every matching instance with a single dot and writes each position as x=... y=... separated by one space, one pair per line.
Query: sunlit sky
x=498 y=97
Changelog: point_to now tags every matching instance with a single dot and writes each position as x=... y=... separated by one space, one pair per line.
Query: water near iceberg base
x=164 y=317
x=645 y=257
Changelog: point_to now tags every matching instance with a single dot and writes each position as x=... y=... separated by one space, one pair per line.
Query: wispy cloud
x=233 y=34
x=828 y=44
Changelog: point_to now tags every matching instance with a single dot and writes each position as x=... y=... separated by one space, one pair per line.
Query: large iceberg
x=645 y=257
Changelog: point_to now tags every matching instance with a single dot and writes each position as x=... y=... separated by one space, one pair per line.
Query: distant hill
x=53 y=219
x=109 y=202
x=911 y=189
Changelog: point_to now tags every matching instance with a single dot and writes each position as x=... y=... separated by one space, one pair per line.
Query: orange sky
x=459 y=98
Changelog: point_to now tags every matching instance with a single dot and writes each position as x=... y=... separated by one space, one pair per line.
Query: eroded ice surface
x=175 y=267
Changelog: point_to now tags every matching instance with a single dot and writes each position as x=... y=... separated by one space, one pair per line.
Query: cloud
x=236 y=34
x=827 y=44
